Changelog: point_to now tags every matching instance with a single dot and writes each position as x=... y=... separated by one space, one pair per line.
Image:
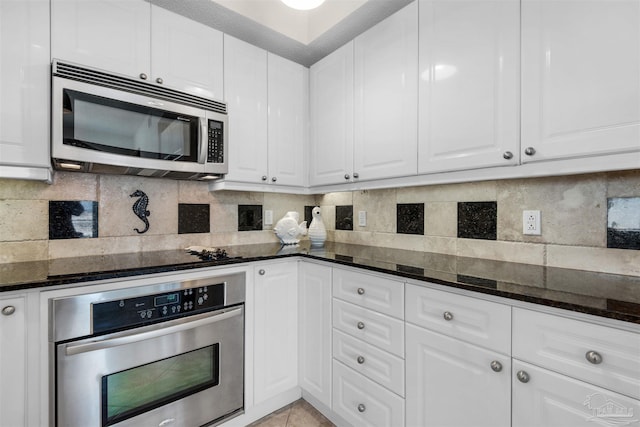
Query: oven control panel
x=141 y=310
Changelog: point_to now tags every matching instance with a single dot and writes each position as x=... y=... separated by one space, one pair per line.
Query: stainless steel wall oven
x=168 y=355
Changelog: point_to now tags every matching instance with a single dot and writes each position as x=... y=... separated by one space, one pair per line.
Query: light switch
x=362 y=218
x=268 y=217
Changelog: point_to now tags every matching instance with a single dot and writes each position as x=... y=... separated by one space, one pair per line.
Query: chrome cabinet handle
x=447 y=316
x=360 y=325
x=529 y=151
x=360 y=360
x=274 y=179
x=593 y=357
x=508 y=155
x=159 y=80
x=264 y=177
x=361 y=407
x=346 y=176
x=143 y=76
x=496 y=366
x=360 y=291
x=261 y=272
x=356 y=175
x=522 y=376
x=8 y=310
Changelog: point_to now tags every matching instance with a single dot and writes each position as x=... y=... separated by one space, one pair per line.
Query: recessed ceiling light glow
x=303 y=4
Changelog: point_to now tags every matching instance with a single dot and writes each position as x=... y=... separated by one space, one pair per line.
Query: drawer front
x=476 y=321
x=374 y=328
x=373 y=292
x=362 y=402
x=377 y=365
x=553 y=400
x=565 y=346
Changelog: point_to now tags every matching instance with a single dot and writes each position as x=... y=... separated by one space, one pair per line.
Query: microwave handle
x=159 y=330
x=204 y=138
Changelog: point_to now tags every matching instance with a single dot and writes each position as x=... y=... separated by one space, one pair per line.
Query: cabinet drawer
x=377 y=365
x=564 y=345
x=362 y=402
x=373 y=292
x=374 y=328
x=476 y=321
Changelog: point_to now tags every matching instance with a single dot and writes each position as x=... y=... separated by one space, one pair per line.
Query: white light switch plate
x=362 y=218
x=268 y=217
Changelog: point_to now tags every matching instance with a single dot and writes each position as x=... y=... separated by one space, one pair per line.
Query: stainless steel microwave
x=105 y=123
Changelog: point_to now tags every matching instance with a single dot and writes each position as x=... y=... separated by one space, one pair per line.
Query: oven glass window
x=119 y=127
x=128 y=393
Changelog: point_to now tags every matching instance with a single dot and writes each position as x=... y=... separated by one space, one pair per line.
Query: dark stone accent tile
x=623 y=222
x=477 y=281
x=193 y=218
x=344 y=217
x=249 y=217
x=308 y=215
x=410 y=218
x=477 y=220
x=73 y=219
x=415 y=271
x=344 y=258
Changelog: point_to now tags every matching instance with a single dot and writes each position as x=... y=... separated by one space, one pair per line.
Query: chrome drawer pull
x=447 y=316
x=360 y=291
x=360 y=360
x=360 y=325
x=593 y=357
x=8 y=310
x=362 y=408
x=522 y=376
x=496 y=366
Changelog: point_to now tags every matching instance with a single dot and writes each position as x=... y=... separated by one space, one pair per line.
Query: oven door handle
x=160 y=330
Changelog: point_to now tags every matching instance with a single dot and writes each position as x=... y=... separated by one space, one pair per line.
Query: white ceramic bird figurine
x=288 y=230
x=317 y=231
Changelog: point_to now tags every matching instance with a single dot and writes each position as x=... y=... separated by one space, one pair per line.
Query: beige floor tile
x=298 y=414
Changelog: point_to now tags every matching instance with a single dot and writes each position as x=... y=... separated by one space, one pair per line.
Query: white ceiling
x=301 y=36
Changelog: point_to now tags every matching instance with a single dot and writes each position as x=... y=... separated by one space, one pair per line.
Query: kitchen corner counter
x=605 y=295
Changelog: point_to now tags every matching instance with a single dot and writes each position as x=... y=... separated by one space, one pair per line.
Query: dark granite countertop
x=606 y=295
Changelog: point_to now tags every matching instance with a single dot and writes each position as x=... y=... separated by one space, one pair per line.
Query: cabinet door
x=275 y=330
x=314 y=311
x=245 y=88
x=12 y=362
x=580 y=86
x=331 y=95
x=386 y=98
x=112 y=35
x=185 y=54
x=469 y=84
x=288 y=88
x=553 y=400
x=452 y=383
x=24 y=89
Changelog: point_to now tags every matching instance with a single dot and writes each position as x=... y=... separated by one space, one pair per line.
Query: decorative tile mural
x=249 y=217
x=193 y=218
x=344 y=217
x=410 y=218
x=73 y=219
x=477 y=220
x=623 y=222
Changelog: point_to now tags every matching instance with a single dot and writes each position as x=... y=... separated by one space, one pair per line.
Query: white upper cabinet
x=24 y=89
x=288 y=88
x=331 y=109
x=469 y=62
x=580 y=84
x=245 y=88
x=139 y=40
x=386 y=113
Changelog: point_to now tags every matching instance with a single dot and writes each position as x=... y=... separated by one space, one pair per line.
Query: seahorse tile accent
x=140 y=209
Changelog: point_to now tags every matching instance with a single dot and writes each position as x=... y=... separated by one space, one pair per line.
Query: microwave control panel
x=216 y=142
x=142 y=310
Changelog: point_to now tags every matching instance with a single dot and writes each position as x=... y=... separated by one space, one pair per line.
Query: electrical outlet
x=362 y=218
x=268 y=217
x=531 y=223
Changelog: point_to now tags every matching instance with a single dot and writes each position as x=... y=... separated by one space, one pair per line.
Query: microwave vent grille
x=90 y=75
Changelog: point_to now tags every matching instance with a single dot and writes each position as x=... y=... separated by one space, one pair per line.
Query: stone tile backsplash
x=575 y=213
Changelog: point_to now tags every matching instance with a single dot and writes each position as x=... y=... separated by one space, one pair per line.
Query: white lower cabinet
x=453 y=383
x=545 y=398
x=314 y=335
x=13 y=355
x=362 y=402
x=275 y=329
